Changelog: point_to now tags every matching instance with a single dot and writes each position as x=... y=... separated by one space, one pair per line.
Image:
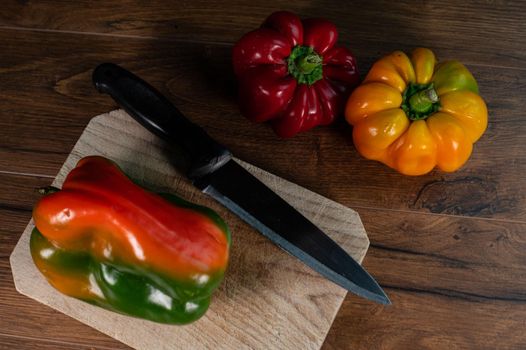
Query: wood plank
x=36 y=134
x=19 y=192
x=370 y=26
x=422 y=321
x=468 y=258
x=455 y=283
x=27 y=343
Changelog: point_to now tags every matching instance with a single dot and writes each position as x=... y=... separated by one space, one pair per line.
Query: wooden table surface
x=450 y=249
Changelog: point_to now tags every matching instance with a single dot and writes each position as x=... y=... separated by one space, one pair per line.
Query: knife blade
x=213 y=170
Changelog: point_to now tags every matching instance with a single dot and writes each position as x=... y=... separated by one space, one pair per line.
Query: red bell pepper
x=290 y=73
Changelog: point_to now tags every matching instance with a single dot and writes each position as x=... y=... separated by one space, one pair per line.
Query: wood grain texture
x=10 y=343
x=423 y=321
x=449 y=272
x=369 y=26
x=456 y=283
x=198 y=79
x=429 y=255
x=276 y=300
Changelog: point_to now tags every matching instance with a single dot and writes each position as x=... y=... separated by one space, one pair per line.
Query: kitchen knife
x=213 y=171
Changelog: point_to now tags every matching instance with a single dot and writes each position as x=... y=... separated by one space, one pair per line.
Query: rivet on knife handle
x=150 y=108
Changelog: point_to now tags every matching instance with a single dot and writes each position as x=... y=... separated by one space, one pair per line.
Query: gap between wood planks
x=354 y=207
x=26 y=174
x=128 y=36
x=448 y=293
x=195 y=41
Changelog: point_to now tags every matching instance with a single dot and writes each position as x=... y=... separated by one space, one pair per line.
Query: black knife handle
x=151 y=109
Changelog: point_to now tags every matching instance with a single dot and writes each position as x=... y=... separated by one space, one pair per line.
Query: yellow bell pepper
x=413 y=114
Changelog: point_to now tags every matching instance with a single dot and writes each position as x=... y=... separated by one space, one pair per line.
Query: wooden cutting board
x=268 y=300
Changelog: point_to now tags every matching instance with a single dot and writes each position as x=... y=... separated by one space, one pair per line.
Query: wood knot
x=471 y=196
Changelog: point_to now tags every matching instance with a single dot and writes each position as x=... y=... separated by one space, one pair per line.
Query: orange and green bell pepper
x=107 y=241
x=413 y=114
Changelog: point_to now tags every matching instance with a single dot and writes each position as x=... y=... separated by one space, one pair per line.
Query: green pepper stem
x=308 y=63
x=422 y=101
x=47 y=190
x=305 y=65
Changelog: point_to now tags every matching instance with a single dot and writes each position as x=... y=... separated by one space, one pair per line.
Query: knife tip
x=386 y=300
x=381 y=298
